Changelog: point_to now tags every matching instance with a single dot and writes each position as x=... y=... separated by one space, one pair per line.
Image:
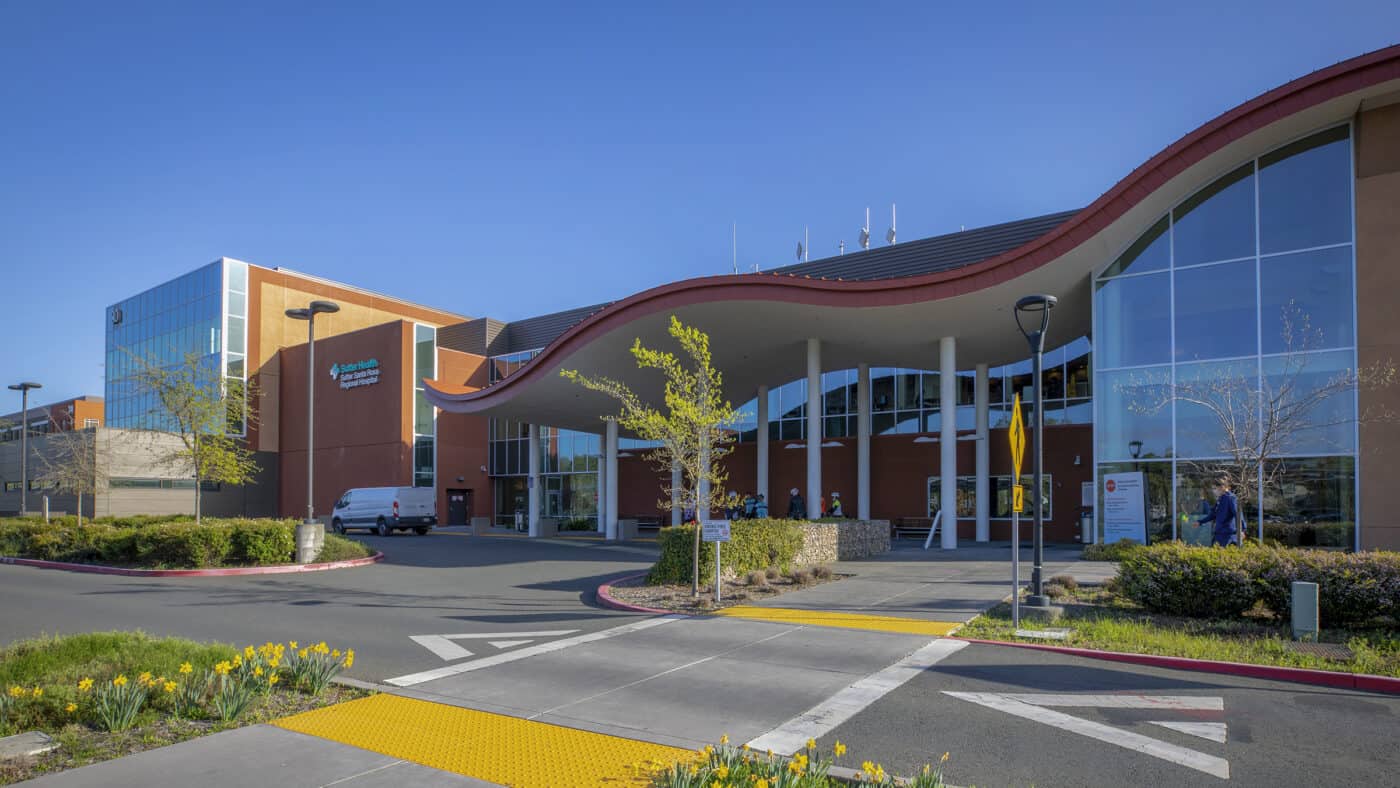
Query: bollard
x=1305 y=618
x=46 y=510
x=310 y=537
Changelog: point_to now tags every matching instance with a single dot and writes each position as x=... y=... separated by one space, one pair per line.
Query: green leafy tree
x=202 y=408
x=694 y=430
x=71 y=464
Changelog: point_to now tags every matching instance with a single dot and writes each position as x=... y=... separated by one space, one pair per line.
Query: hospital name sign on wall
x=356 y=374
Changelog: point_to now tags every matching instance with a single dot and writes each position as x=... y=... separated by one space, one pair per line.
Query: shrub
x=801 y=576
x=822 y=572
x=1185 y=580
x=772 y=572
x=262 y=542
x=1352 y=588
x=754 y=544
x=756 y=578
x=1066 y=581
x=338 y=548
x=1054 y=590
x=1111 y=552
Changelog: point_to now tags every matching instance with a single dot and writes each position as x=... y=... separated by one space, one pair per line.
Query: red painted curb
x=606 y=599
x=95 y=569
x=1325 y=678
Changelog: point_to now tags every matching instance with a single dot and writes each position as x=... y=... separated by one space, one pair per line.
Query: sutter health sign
x=356 y=374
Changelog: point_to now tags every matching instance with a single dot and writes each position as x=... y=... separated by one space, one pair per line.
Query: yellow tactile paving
x=492 y=747
x=828 y=618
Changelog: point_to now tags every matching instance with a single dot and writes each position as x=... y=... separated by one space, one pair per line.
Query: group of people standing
x=755 y=507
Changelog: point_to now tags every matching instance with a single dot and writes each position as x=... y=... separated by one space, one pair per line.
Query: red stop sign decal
x=1110 y=485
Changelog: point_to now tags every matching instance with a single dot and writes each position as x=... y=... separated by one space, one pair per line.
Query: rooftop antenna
x=803 y=247
x=865 y=231
x=841 y=247
x=889 y=236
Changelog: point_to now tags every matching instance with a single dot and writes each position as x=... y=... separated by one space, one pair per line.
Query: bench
x=904 y=527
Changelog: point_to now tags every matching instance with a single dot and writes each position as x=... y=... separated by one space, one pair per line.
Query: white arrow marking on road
x=1019 y=706
x=1215 y=731
x=1172 y=702
x=443 y=646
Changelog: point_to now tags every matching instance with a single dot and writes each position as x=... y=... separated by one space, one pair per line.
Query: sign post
x=716 y=531
x=1017 y=437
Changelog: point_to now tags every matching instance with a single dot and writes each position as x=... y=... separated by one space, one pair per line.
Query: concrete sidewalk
x=256 y=755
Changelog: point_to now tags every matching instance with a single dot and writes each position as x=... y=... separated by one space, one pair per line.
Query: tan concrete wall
x=1378 y=334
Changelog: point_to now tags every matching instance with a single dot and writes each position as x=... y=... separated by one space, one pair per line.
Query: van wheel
x=337 y=526
x=383 y=528
x=421 y=531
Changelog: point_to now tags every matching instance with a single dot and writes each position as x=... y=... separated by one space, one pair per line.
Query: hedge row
x=167 y=545
x=754 y=544
x=1206 y=582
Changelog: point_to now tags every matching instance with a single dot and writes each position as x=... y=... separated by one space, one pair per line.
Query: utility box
x=1305 y=621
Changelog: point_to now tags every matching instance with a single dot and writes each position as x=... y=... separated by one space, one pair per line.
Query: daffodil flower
x=85 y=685
x=839 y=749
x=186 y=667
x=119 y=681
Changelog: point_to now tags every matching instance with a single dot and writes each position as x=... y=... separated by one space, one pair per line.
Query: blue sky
x=515 y=159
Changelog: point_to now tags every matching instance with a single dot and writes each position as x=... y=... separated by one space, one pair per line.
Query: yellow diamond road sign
x=1018 y=499
x=1017 y=434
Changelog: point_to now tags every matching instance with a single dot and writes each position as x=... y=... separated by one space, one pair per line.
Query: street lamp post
x=310 y=533
x=23 y=389
x=1135 y=449
x=1036 y=309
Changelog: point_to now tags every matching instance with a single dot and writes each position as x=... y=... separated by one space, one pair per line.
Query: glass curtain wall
x=164 y=325
x=424 y=414
x=1228 y=321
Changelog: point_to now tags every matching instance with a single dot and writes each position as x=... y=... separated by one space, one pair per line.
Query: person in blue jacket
x=1225 y=514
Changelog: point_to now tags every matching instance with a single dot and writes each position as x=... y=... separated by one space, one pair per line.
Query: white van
x=386 y=509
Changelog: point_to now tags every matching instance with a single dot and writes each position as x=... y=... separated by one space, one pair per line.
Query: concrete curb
x=606 y=599
x=1325 y=678
x=95 y=569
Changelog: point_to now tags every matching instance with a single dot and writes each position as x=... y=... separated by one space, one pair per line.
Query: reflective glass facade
x=1225 y=320
x=424 y=414
x=163 y=326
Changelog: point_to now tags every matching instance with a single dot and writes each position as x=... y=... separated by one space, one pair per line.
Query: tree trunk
x=196 y=499
x=695 y=563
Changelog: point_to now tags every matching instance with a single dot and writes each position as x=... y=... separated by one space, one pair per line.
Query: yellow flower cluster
x=17 y=691
x=85 y=685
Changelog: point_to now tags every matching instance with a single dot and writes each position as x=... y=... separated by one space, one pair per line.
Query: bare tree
x=196 y=403
x=1257 y=419
x=72 y=464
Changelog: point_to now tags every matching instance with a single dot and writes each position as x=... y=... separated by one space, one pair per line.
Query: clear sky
x=512 y=159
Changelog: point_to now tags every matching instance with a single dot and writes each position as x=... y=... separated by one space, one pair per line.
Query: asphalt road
x=430 y=585
x=539 y=648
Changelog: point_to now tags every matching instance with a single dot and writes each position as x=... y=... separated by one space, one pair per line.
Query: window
x=1305 y=193
x=1215 y=312
x=1134 y=315
x=1151 y=252
x=1135 y=416
x=1216 y=223
x=1001 y=496
x=1307 y=300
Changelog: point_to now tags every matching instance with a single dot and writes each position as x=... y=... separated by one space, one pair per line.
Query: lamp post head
x=299 y=314
x=323 y=307
x=1135 y=448
x=25 y=386
x=1036 y=311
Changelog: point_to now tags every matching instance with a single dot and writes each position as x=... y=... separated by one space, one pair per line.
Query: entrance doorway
x=459 y=507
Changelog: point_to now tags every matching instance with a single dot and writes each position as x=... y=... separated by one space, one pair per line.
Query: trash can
x=1086 y=526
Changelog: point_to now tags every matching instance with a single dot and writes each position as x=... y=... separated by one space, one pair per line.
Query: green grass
x=1099 y=619
x=57 y=664
x=338 y=548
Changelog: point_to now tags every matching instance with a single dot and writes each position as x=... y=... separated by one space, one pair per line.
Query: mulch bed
x=678 y=598
x=81 y=745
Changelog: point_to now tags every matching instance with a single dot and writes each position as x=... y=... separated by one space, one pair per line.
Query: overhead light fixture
x=795 y=446
x=832 y=445
x=926 y=439
x=625 y=454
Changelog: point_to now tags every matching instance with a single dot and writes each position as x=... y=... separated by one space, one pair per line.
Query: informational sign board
x=714 y=530
x=356 y=374
x=1124 y=507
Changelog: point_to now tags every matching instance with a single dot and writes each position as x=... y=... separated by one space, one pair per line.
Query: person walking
x=797 y=508
x=1225 y=515
x=836 y=509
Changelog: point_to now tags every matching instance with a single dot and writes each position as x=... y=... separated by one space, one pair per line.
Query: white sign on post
x=1124 y=507
x=714 y=530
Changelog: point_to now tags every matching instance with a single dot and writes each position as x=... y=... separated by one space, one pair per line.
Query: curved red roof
x=1282 y=102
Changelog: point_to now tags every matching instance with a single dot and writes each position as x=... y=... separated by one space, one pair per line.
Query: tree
x=196 y=403
x=71 y=465
x=1255 y=420
x=693 y=432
